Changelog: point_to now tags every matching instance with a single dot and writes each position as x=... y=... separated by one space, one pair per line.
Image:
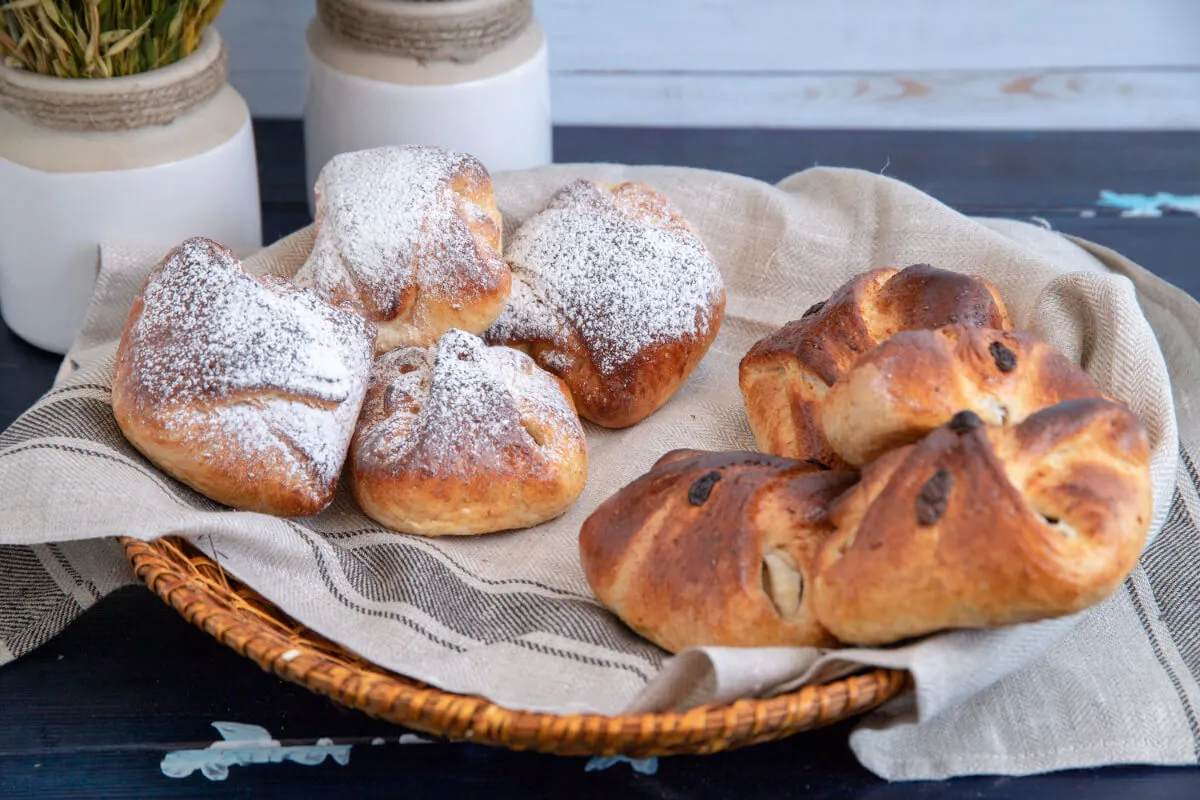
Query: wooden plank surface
x=925 y=64
x=1021 y=171
x=92 y=713
x=750 y=36
x=1029 y=99
x=868 y=35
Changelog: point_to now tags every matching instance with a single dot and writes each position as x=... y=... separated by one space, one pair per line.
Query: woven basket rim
x=239 y=618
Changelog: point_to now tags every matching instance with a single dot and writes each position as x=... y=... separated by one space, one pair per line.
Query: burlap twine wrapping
x=118 y=104
x=428 y=30
x=510 y=616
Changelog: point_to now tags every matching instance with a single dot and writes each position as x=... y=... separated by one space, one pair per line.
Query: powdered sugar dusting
x=303 y=439
x=458 y=408
x=276 y=367
x=621 y=281
x=556 y=361
x=389 y=221
x=525 y=317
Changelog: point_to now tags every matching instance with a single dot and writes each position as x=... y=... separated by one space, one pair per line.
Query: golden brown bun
x=714 y=549
x=785 y=376
x=465 y=439
x=244 y=389
x=614 y=293
x=411 y=236
x=917 y=380
x=978 y=526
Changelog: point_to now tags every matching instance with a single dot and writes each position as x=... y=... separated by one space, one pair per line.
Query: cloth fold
x=510 y=616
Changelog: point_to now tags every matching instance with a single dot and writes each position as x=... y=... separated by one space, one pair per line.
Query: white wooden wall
x=1038 y=64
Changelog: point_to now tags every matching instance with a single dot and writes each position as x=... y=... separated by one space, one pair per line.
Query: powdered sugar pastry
x=274 y=365
x=623 y=282
x=388 y=221
x=455 y=408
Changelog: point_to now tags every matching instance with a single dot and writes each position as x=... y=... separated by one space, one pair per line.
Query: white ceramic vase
x=63 y=192
x=497 y=108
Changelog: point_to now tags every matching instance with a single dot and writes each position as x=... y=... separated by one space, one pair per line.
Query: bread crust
x=624 y=346
x=465 y=439
x=976 y=527
x=417 y=251
x=785 y=376
x=714 y=549
x=919 y=379
x=253 y=410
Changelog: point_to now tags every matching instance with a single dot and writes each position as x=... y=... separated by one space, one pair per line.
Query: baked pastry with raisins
x=714 y=549
x=784 y=377
x=978 y=525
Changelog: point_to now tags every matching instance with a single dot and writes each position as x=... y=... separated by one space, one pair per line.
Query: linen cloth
x=510 y=616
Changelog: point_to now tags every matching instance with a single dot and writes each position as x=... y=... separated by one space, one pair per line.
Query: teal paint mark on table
x=644 y=766
x=1149 y=205
x=243 y=745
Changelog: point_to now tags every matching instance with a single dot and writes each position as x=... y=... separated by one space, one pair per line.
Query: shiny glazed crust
x=917 y=380
x=784 y=377
x=714 y=549
x=983 y=526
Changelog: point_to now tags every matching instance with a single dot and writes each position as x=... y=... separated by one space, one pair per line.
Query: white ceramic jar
x=370 y=91
x=65 y=190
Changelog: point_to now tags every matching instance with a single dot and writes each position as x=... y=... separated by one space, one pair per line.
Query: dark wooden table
x=92 y=713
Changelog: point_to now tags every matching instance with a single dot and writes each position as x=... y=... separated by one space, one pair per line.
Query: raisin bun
x=917 y=380
x=979 y=525
x=714 y=549
x=785 y=376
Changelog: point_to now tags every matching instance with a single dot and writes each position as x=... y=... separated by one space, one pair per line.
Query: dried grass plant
x=101 y=38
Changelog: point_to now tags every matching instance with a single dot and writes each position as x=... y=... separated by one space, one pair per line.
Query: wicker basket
x=238 y=617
